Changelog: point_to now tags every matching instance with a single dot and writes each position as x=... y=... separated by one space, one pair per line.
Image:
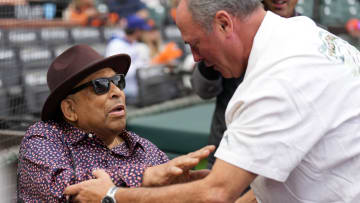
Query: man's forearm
x=195 y=192
x=216 y=187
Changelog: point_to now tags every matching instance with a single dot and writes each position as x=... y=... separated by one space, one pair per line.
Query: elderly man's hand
x=92 y=190
x=178 y=169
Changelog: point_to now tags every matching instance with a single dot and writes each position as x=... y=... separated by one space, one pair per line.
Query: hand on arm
x=177 y=170
x=91 y=190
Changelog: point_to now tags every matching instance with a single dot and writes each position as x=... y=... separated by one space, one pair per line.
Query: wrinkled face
x=284 y=8
x=209 y=47
x=104 y=114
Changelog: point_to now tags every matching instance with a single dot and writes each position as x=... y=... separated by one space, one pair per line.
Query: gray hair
x=203 y=11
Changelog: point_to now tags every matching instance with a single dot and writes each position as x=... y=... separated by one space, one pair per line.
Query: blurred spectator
x=80 y=11
x=138 y=51
x=125 y=8
x=171 y=12
x=161 y=53
x=157 y=11
x=167 y=55
x=85 y=13
x=353 y=27
x=153 y=39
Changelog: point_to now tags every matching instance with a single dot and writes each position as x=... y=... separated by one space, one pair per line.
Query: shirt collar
x=132 y=140
x=73 y=135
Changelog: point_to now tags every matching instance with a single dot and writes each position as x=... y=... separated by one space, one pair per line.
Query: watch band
x=110 y=195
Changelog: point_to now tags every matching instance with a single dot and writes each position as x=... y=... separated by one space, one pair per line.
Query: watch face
x=107 y=199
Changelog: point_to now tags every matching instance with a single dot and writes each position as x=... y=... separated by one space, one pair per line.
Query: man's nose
x=115 y=91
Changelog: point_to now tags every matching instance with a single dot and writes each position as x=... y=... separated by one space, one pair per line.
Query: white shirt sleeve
x=271 y=127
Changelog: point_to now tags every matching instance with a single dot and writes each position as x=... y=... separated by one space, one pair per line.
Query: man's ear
x=68 y=109
x=223 y=22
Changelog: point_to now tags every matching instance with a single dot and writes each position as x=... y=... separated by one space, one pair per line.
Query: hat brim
x=120 y=63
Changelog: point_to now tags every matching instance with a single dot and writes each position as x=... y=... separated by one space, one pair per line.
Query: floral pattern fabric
x=54 y=155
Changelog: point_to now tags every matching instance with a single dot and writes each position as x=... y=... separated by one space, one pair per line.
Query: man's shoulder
x=44 y=129
x=135 y=137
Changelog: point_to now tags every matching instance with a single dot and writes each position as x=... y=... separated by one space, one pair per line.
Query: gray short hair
x=203 y=11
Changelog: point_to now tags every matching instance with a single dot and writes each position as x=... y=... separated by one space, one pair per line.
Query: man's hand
x=92 y=190
x=177 y=170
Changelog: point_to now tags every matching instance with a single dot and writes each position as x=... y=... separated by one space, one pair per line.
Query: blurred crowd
x=142 y=39
x=149 y=34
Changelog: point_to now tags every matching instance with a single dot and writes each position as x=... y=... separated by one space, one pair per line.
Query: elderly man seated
x=83 y=128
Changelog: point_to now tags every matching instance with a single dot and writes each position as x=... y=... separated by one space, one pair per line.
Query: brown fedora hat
x=69 y=68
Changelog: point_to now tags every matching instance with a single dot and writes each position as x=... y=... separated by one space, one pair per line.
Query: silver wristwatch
x=110 y=195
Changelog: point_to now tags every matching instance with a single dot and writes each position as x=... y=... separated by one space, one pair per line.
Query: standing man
x=139 y=53
x=293 y=124
x=208 y=83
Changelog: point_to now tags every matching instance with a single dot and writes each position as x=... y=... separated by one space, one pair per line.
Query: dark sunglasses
x=102 y=85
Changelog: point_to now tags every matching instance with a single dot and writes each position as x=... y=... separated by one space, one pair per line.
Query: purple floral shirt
x=54 y=155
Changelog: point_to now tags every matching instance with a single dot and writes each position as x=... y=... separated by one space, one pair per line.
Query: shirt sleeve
x=44 y=170
x=271 y=128
x=157 y=156
x=132 y=173
x=115 y=46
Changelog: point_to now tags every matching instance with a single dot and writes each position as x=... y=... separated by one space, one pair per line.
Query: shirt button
x=90 y=135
